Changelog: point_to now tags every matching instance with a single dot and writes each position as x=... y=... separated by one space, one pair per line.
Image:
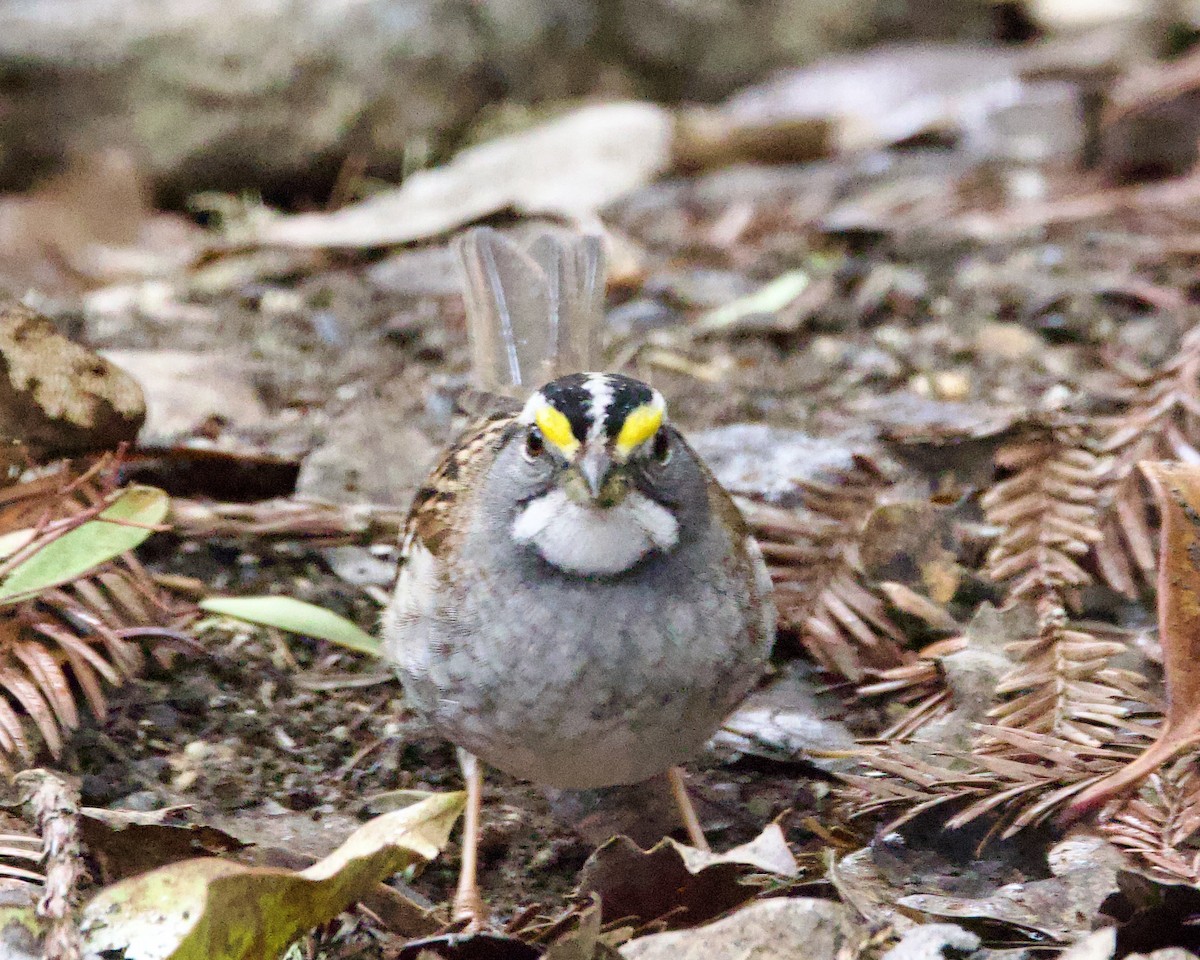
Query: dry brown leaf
x=569 y=166
x=672 y=885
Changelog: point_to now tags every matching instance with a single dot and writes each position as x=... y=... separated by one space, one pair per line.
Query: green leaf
x=767 y=299
x=87 y=546
x=295 y=616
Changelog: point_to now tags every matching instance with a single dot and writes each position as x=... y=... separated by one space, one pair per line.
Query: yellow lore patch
x=556 y=429
x=640 y=425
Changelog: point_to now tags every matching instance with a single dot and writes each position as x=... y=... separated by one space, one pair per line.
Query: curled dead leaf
x=220 y=910
x=673 y=885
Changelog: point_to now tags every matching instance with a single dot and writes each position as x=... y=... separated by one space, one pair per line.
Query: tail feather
x=532 y=314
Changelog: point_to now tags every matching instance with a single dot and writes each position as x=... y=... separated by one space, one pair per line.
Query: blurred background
x=255 y=197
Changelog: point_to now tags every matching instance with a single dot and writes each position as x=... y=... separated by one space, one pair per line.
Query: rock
x=220 y=385
x=770 y=930
x=219 y=94
x=59 y=398
x=1100 y=945
x=1006 y=341
x=359 y=566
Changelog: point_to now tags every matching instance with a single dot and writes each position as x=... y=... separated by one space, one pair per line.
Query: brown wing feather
x=431 y=519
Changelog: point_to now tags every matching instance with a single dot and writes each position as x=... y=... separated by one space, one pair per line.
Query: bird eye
x=661 y=451
x=535 y=446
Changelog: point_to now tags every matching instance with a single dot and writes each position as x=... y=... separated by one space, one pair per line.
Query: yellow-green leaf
x=295 y=616
x=212 y=909
x=767 y=299
x=89 y=545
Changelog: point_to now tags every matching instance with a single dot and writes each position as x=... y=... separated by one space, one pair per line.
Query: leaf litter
x=933 y=413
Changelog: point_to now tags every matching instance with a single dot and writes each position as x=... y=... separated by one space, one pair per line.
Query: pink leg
x=468 y=904
x=687 y=812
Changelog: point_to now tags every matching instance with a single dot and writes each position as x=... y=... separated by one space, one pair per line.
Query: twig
x=54 y=804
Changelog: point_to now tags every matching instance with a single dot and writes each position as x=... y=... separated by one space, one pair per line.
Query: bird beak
x=601 y=486
x=593 y=467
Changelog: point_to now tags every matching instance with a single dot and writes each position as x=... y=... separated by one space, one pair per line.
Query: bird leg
x=687 y=813
x=468 y=903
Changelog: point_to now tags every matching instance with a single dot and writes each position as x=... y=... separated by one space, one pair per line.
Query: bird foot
x=469 y=907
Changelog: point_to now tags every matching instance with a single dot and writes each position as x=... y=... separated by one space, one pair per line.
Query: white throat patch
x=587 y=540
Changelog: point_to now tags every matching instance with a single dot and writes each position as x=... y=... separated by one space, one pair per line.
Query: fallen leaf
x=295 y=616
x=570 y=166
x=1059 y=908
x=767 y=852
x=785 y=721
x=678 y=885
x=68 y=557
x=128 y=842
x=911 y=543
x=292 y=840
x=933 y=941
x=10 y=543
x=768 y=301
x=923 y=857
x=213 y=909
x=1177 y=489
x=772 y=930
x=772 y=464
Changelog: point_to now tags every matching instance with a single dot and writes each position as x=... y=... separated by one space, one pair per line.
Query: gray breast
x=574 y=682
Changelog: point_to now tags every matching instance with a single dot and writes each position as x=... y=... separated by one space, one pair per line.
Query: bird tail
x=533 y=313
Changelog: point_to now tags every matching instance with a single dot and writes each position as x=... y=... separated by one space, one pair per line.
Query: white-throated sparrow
x=579 y=602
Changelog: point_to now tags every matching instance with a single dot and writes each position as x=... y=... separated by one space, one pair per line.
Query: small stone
x=641 y=315
x=142 y=801
x=1006 y=341
x=952 y=385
